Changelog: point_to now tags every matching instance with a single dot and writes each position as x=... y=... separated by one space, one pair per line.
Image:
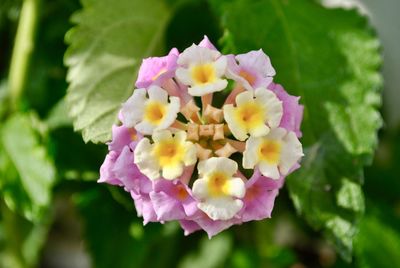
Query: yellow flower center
x=169 y=152
x=218 y=184
x=248 y=76
x=203 y=73
x=250 y=115
x=154 y=112
x=270 y=151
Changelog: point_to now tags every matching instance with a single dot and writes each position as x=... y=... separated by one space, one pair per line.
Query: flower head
x=274 y=154
x=260 y=196
x=252 y=69
x=201 y=69
x=156 y=70
x=150 y=113
x=186 y=137
x=217 y=189
x=169 y=154
x=254 y=114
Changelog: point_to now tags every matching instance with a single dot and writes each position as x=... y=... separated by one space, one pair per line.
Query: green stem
x=23 y=48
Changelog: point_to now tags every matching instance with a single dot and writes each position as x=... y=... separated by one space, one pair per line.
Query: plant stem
x=23 y=48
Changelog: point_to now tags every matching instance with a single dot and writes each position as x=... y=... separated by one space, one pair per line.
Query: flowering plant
x=206 y=139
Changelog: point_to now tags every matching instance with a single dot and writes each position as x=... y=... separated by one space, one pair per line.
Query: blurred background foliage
x=54 y=214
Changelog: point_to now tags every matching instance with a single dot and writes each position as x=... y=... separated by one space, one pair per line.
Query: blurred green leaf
x=121 y=240
x=103 y=57
x=21 y=240
x=47 y=74
x=329 y=57
x=3 y=99
x=28 y=174
x=58 y=116
x=212 y=253
x=377 y=245
x=73 y=158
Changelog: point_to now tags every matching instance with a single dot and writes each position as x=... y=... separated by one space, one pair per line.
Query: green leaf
x=377 y=245
x=27 y=172
x=212 y=253
x=121 y=240
x=329 y=57
x=58 y=116
x=21 y=240
x=104 y=55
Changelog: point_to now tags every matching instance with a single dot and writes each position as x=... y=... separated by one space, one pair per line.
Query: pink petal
x=166 y=207
x=189 y=226
x=156 y=70
x=292 y=110
x=106 y=170
x=206 y=43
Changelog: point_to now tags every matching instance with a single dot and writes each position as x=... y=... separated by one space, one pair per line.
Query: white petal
x=191 y=154
x=145 y=160
x=221 y=208
x=200 y=189
x=244 y=97
x=221 y=164
x=171 y=113
x=292 y=151
x=158 y=94
x=161 y=135
x=145 y=127
x=237 y=131
x=172 y=172
x=180 y=136
x=259 y=131
x=236 y=187
x=184 y=76
x=132 y=110
x=268 y=170
x=277 y=134
x=200 y=90
x=274 y=108
x=250 y=155
x=220 y=66
x=275 y=112
x=195 y=55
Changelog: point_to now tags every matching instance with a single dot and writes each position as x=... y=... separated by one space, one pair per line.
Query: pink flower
x=252 y=69
x=260 y=196
x=292 y=110
x=122 y=136
x=107 y=174
x=172 y=200
x=189 y=226
x=172 y=151
x=207 y=43
x=145 y=209
x=212 y=227
x=156 y=70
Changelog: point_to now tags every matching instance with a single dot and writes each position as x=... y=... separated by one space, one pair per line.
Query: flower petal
x=158 y=94
x=132 y=110
x=236 y=187
x=269 y=170
x=237 y=130
x=171 y=172
x=221 y=208
x=145 y=161
x=200 y=189
x=292 y=151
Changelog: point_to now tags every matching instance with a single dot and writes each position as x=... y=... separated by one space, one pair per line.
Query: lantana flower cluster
x=205 y=139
